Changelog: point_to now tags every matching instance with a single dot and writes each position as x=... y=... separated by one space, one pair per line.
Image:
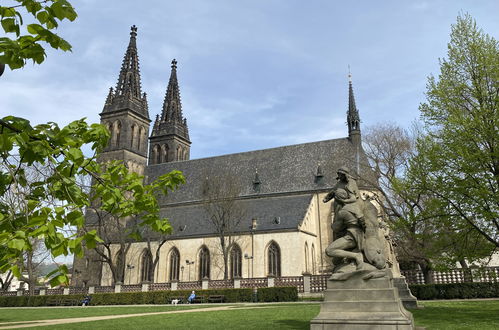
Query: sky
x=253 y=74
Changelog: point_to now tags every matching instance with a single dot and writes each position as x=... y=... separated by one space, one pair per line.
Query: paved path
x=42 y=323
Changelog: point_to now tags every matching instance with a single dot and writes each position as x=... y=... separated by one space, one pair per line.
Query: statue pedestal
x=356 y=303
x=408 y=300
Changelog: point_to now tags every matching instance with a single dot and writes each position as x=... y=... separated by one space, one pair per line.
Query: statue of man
x=348 y=225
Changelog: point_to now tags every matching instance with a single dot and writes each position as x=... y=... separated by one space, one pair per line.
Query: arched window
x=306 y=257
x=146 y=274
x=174 y=264
x=313 y=259
x=179 y=153
x=274 y=259
x=204 y=263
x=139 y=138
x=117 y=136
x=165 y=152
x=158 y=153
x=235 y=261
x=110 y=129
x=132 y=136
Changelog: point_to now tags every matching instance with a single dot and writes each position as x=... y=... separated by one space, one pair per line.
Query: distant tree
x=224 y=212
x=458 y=158
x=421 y=225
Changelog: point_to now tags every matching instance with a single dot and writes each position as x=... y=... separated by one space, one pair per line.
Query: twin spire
x=171 y=120
x=127 y=93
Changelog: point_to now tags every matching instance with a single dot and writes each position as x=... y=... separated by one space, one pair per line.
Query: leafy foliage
x=458 y=159
x=27 y=40
x=118 y=192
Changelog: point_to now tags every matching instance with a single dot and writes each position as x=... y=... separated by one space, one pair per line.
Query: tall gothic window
x=165 y=152
x=111 y=134
x=179 y=152
x=132 y=136
x=235 y=261
x=274 y=259
x=306 y=257
x=139 y=138
x=204 y=263
x=158 y=153
x=313 y=259
x=118 y=133
x=174 y=264
x=146 y=274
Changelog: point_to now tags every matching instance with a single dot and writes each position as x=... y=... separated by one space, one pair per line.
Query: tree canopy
x=458 y=158
x=26 y=41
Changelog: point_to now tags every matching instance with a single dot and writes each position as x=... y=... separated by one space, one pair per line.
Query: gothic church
x=285 y=227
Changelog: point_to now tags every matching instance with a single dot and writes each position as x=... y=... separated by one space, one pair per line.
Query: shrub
x=131 y=298
x=455 y=290
x=278 y=294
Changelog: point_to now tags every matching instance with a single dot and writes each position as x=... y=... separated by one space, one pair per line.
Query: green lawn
x=47 y=313
x=435 y=315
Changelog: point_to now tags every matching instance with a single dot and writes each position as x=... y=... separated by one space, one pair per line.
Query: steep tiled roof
x=282 y=170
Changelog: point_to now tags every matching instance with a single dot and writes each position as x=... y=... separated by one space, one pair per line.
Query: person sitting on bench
x=191 y=297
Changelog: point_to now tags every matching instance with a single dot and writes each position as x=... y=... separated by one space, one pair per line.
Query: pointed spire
x=172 y=120
x=110 y=96
x=172 y=106
x=129 y=79
x=127 y=94
x=353 y=118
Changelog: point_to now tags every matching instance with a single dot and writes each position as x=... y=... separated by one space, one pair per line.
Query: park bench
x=216 y=298
x=69 y=302
x=198 y=300
x=52 y=302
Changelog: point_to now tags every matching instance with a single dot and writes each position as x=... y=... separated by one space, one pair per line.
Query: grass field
x=435 y=315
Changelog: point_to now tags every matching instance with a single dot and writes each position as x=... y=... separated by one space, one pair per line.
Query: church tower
x=169 y=140
x=126 y=114
x=353 y=122
x=353 y=118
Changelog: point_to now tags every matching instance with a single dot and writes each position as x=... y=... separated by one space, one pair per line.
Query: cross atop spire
x=128 y=89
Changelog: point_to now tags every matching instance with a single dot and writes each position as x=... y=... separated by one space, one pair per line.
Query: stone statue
x=356 y=234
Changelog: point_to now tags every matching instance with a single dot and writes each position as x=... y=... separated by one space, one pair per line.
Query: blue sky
x=253 y=74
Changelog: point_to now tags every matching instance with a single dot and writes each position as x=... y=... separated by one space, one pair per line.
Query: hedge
x=455 y=290
x=159 y=297
x=287 y=293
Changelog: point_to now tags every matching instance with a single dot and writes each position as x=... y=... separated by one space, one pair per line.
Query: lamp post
x=181 y=273
x=189 y=263
x=129 y=267
x=248 y=257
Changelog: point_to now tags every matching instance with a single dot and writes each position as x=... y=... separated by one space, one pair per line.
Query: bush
x=278 y=294
x=131 y=298
x=455 y=290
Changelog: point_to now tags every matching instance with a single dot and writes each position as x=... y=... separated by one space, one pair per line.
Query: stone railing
x=459 y=275
x=290 y=281
x=318 y=283
x=306 y=283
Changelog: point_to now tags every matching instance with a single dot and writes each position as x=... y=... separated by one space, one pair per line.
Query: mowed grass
x=482 y=314
x=476 y=314
x=48 y=313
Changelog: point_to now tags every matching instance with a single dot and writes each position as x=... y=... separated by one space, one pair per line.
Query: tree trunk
x=427 y=272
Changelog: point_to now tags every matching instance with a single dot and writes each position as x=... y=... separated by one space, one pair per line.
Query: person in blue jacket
x=191 y=297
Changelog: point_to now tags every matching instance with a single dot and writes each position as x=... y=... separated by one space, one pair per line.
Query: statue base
x=408 y=300
x=362 y=299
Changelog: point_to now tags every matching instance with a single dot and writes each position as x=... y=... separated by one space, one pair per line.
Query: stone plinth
x=408 y=300
x=356 y=303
